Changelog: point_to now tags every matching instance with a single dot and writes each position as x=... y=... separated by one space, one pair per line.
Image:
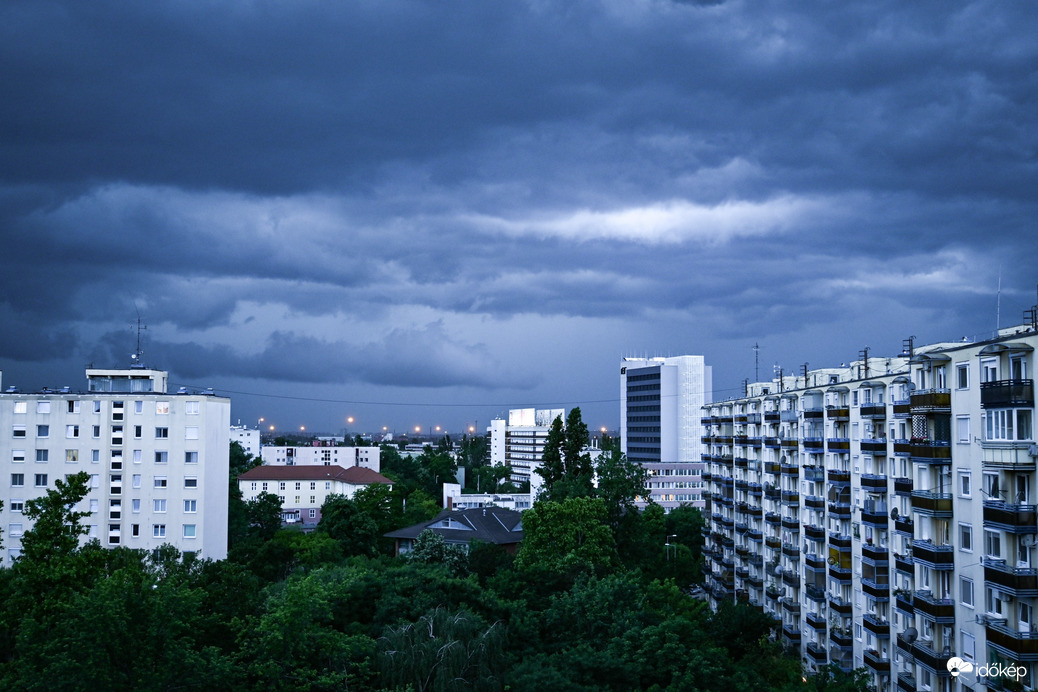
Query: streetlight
x=667 y=545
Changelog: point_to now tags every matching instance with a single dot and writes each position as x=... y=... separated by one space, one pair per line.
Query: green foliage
x=347 y=522
x=567 y=535
x=431 y=548
x=56 y=526
x=552 y=469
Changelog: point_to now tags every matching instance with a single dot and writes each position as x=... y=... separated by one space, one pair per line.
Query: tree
x=577 y=461
x=571 y=535
x=264 y=515
x=345 y=521
x=56 y=526
x=431 y=548
x=552 y=469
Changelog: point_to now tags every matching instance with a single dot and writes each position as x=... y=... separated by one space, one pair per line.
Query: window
x=138 y=431
x=962 y=429
x=992 y=544
x=16 y=506
x=191 y=432
x=17 y=480
x=18 y=456
x=95 y=506
x=42 y=431
x=18 y=431
x=136 y=480
x=297 y=499
x=994 y=603
x=158 y=530
x=299 y=486
x=191 y=482
x=190 y=506
x=191 y=408
x=189 y=530
x=989 y=370
x=162 y=408
x=95 y=431
x=95 y=456
x=138 y=407
x=135 y=506
x=161 y=457
x=969 y=645
x=965 y=484
x=42 y=407
x=281 y=485
x=42 y=455
x=20 y=407
x=41 y=480
x=97 y=407
x=190 y=457
x=137 y=455
x=135 y=530
x=313 y=486
x=71 y=456
x=966 y=537
x=327 y=485
x=117 y=410
x=264 y=488
x=14 y=530
x=117 y=434
x=962 y=376
x=72 y=406
x=159 y=506
x=313 y=499
x=71 y=432
x=160 y=481
x=161 y=433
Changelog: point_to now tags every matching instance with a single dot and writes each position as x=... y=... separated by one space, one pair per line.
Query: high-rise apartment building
x=158 y=462
x=885 y=513
x=661 y=400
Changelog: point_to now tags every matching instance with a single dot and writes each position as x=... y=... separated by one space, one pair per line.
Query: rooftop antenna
x=756 y=362
x=138 y=355
x=998 y=302
x=864 y=355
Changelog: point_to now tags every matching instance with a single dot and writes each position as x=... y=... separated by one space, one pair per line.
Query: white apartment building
x=248 y=438
x=519 y=442
x=885 y=513
x=304 y=489
x=158 y=462
x=367 y=457
x=660 y=404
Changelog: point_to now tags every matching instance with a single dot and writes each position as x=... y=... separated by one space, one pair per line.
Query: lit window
x=162 y=407
x=72 y=456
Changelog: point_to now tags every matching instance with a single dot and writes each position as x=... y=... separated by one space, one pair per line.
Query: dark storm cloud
x=504 y=196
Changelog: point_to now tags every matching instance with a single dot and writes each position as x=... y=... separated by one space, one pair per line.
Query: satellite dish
x=1027 y=541
x=831 y=561
x=910 y=634
x=894 y=514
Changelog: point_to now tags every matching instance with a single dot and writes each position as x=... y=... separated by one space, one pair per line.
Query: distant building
x=519 y=442
x=322 y=455
x=660 y=405
x=303 y=489
x=248 y=438
x=158 y=462
x=502 y=527
x=453 y=498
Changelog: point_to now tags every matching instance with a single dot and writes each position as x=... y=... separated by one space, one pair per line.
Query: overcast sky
x=426 y=213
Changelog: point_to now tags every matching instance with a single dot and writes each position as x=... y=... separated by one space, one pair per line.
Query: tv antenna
x=756 y=362
x=138 y=355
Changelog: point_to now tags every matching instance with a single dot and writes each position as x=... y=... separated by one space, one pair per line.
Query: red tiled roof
x=354 y=475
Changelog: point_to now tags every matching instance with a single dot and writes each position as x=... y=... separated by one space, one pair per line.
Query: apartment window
x=135 y=506
x=191 y=408
x=313 y=499
x=992 y=544
x=17 y=480
x=18 y=456
x=136 y=480
x=138 y=407
x=989 y=370
x=18 y=431
x=137 y=456
x=962 y=429
x=999 y=424
x=969 y=645
x=161 y=433
x=313 y=513
x=42 y=431
x=189 y=530
x=95 y=506
x=117 y=434
x=297 y=499
x=190 y=457
x=299 y=486
x=190 y=506
x=281 y=485
x=95 y=431
x=159 y=506
x=991 y=486
x=97 y=407
x=71 y=432
x=158 y=530
x=965 y=484
x=160 y=481
x=138 y=431
x=135 y=530
x=71 y=456
x=162 y=408
x=191 y=482
x=994 y=603
x=14 y=530
x=161 y=457
x=42 y=407
x=72 y=406
x=16 y=506
x=966 y=537
x=20 y=407
x=264 y=488
x=41 y=480
x=95 y=456
x=42 y=455
x=327 y=485
x=117 y=410
x=313 y=486
x=95 y=480
x=962 y=376
x=191 y=432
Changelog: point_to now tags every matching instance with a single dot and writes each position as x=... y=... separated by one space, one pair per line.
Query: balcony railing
x=926 y=451
x=941 y=610
x=940 y=557
x=1013 y=644
x=903 y=486
x=1019 y=582
x=938 y=505
x=876 y=446
x=874 y=660
x=874 y=411
x=1011 y=518
x=1007 y=393
x=874 y=481
x=930 y=400
x=838 y=444
x=937 y=662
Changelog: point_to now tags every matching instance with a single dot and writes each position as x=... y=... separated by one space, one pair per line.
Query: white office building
x=660 y=407
x=519 y=442
x=158 y=462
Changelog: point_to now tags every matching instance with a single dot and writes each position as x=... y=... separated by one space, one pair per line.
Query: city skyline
x=419 y=214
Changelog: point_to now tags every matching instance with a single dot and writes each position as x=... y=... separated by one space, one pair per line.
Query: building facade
x=660 y=405
x=322 y=455
x=248 y=438
x=304 y=489
x=885 y=512
x=519 y=442
x=158 y=462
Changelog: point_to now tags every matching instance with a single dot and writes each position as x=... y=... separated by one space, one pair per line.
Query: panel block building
x=518 y=443
x=885 y=513
x=158 y=462
x=660 y=405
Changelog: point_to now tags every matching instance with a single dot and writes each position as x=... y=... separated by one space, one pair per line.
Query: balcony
x=772 y=467
x=791 y=635
x=772 y=518
x=939 y=557
x=838 y=444
x=814 y=444
x=791 y=523
x=839 y=542
x=1007 y=394
x=874 y=411
x=903 y=448
x=875 y=553
x=1011 y=518
x=840 y=637
x=902 y=408
x=840 y=574
x=936 y=662
x=1016 y=582
x=937 y=505
x=930 y=401
x=874 y=482
x=940 y=610
x=874 y=661
x=789 y=469
x=791 y=497
x=904 y=601
x=838 y=413
x=790 y=443
x=840 y=510
x=1014 y=645
x=790 y=606
x=837 y=477
x=877 y=446
x=906 y=682
x=878 y=590
x=772 y=442
x=814 y=502
x=903 y=486
x=877 y=517
x=904 y=526
x=925 y=451
x=817 y=654
x=905 y=564
x=816 y=594
x=814 y=533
